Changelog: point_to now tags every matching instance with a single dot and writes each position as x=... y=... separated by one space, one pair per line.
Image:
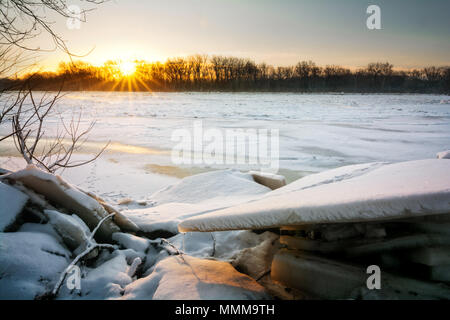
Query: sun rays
x=128 y=76
x=127 y=68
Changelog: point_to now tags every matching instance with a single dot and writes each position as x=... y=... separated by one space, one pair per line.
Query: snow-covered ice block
x=226 y=245
x=189 y=278
x=30 y=264
x=130 y=241
x=443 y=154
x=256 y=261
x=270 y=180
x=131 y=255
x=374 y=193
x=12 y=202
x=221 y=184
x=159 y=220
x=61 y=193
x=330 y=279
x=72 y=231
x=122 y=221
x=192 y=196
x=105 y=281
x=40 y=228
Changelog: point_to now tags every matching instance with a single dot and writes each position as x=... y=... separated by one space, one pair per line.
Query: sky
x=414 y=33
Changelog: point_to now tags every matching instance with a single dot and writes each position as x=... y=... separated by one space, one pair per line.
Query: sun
x=127 y=68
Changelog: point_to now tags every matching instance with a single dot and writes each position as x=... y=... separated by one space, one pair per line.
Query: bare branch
x=90 y=245
x=22 y=20
x=28 y=132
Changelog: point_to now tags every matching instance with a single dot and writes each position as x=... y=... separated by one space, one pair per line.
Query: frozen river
x=316 y=131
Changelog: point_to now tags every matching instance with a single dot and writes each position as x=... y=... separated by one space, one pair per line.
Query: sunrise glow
x=127 y=68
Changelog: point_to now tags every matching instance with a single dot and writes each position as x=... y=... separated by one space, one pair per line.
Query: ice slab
x=61 y=193
x=270 y=180
x=370 y=193
x=443 y=154
x=130 y=241
x=330 y=279
x=12 y=202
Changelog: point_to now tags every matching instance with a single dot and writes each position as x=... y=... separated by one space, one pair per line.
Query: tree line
x=225 y=73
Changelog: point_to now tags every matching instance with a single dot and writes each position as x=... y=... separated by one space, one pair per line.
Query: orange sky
x=414 y=33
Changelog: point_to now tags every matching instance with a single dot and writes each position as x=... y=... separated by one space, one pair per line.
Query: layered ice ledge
x=369 y=192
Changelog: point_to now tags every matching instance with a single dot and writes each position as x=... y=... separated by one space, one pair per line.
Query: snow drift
x=193 y=196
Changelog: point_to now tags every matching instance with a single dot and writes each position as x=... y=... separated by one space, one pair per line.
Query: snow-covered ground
x=148 y=259
x=54 y=229
x=146 y=191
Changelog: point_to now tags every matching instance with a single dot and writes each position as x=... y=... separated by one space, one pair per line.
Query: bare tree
x=29 y=134
x=20 y=21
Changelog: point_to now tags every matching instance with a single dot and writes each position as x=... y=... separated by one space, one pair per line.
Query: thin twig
x=90 y=245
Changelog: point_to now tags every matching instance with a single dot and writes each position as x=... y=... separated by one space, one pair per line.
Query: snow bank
x=189 y=278
x=12 y=202
x=62 y=194
x=443 y=154
x=30 y=264
x=192 y=196
x=406 y=189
